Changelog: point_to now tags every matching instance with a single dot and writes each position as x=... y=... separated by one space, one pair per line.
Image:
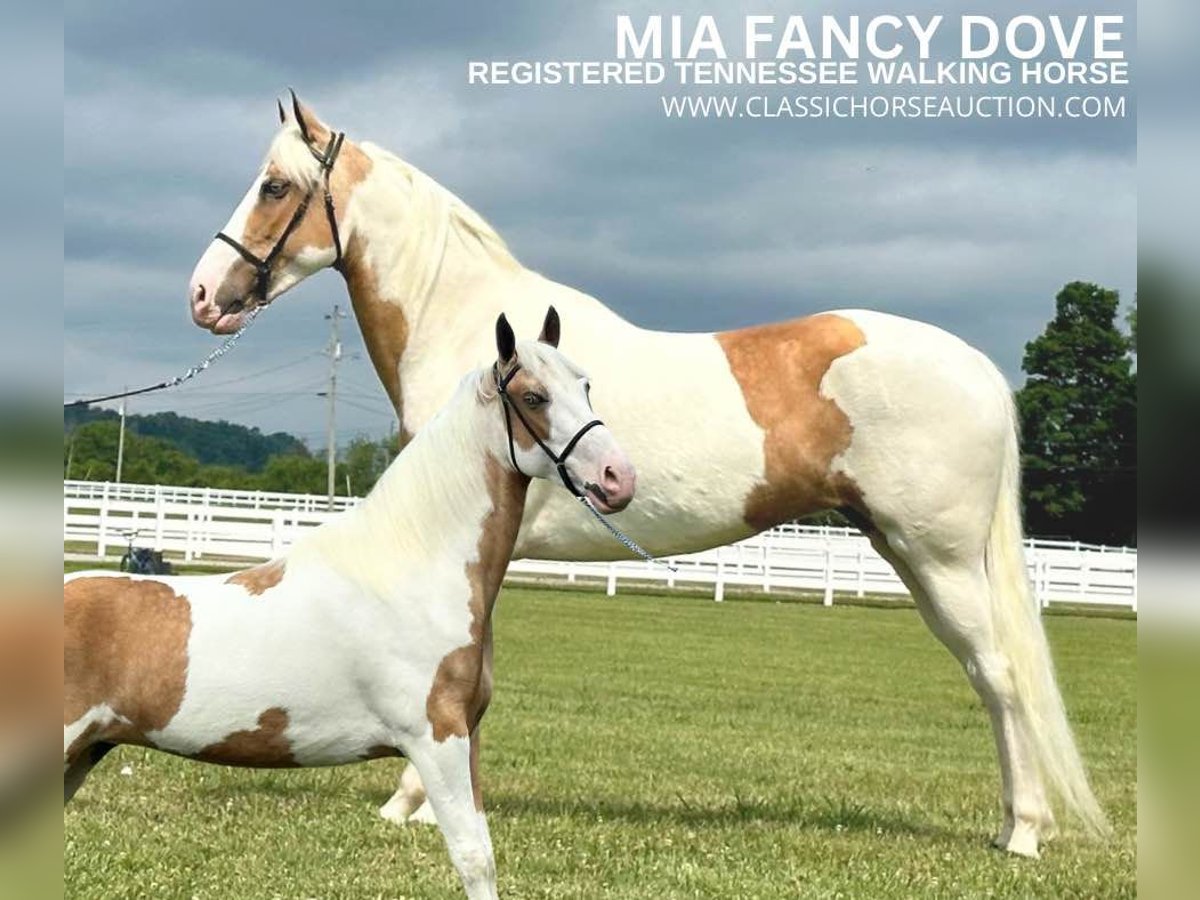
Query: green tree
x=210 y=442
x=1078 y=413
x=294 y=474
x=364 y=461
x=91 y=452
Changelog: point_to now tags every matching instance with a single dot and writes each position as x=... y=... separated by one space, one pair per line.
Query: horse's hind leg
x=77 y=766
x=953 y=597
x=408 y=804
x=445 y=769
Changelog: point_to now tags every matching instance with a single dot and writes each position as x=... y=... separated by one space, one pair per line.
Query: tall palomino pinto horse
x=372 y=636
x=905 y=428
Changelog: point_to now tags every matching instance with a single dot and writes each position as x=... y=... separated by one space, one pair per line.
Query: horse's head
x=289 y=225
x=551 y=430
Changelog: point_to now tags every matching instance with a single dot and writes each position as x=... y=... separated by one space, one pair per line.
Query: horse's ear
x=312 y=129
x=506 y=341
x=282 y=114
x=551 y=328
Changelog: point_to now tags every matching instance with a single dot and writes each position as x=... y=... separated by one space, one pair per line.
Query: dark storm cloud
x=679 y=224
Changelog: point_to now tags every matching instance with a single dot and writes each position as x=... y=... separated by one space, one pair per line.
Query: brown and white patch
x=261 y=578
x=779 y=368
x=125 y=646
x=381 y=320
x=261 y=747
x=462 y=685
x=271 y=215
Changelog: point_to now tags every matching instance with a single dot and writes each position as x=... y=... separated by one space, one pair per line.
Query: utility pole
x=121 y=442
x=335 y=355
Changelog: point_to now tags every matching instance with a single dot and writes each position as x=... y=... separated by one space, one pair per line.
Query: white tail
x=1020 y=635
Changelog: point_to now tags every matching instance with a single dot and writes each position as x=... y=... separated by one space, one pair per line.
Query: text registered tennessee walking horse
x=902 y=426
x=372 y=636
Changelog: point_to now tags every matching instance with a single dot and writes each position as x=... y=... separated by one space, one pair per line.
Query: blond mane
x=434 y=213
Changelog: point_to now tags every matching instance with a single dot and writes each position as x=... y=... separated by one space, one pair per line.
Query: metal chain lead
x=630 y=544
x=218 y=352
x=191 y=373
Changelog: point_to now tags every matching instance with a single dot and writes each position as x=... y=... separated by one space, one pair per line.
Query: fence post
x=159 y=516
x=828 y=600
x=102 y=534
x=862 y=575
x=1042 y=583
x=206 y=535
x=189 y=535
x=277 y=531
x=766 y=561
x=611 y=590
x=1135 y=589
x=719 y=587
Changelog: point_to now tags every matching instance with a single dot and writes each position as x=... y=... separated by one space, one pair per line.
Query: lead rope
x=191 y=373
x=630 y=544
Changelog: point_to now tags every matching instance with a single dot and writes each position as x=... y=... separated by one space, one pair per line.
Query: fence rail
x=208 y=523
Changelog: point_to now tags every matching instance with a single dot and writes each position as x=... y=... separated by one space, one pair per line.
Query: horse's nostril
x=198 y=294
x=610 y=478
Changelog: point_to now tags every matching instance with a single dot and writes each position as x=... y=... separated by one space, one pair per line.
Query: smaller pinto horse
x=372 y=636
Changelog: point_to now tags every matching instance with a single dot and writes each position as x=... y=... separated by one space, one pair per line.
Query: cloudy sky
x=688 y=225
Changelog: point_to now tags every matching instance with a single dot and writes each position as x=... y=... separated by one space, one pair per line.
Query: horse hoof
x=1022 y=842
x=423 y=816
x=396 y=813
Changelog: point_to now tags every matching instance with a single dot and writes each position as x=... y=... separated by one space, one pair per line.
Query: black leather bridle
x=262 y=265
x=559 y=459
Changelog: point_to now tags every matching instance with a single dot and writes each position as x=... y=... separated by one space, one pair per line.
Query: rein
x=560 y=461
x=191 y=373
x=262 y=265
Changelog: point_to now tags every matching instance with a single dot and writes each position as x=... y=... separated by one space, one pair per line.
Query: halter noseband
x=559 y=459
x=262 y=265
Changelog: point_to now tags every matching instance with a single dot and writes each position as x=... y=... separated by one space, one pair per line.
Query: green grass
x=658 y=747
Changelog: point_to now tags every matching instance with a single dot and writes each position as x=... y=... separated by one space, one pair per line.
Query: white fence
x=200 y=523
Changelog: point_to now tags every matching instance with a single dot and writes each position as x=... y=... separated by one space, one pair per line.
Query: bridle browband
x=262 y=265
x=559 y=459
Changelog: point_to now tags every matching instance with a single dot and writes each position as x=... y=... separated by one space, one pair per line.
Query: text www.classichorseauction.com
x=853 y=67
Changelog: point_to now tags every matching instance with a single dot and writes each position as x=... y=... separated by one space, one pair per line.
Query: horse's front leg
x=445 y=768
x=409 y=804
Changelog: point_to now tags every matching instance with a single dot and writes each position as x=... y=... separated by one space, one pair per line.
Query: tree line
x=170 y=449
x=1077 y=410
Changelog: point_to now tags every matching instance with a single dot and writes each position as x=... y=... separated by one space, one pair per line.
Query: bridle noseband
x=559 y=459
x=262 y=265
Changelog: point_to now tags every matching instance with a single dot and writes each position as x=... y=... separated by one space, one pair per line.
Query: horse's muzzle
x=616 y=487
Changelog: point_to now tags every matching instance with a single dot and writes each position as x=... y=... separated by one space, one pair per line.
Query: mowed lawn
x=658 y=747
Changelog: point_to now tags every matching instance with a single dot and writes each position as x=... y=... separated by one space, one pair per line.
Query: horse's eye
x=532 y=400
x=273 y=188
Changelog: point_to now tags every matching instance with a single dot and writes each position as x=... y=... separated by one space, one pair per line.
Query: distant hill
x=217 y=443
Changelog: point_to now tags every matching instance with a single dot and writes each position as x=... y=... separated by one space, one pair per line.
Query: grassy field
x=658 y=748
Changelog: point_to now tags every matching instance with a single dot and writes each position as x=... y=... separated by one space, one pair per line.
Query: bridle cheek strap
x=559 y=459
x=262 y=265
